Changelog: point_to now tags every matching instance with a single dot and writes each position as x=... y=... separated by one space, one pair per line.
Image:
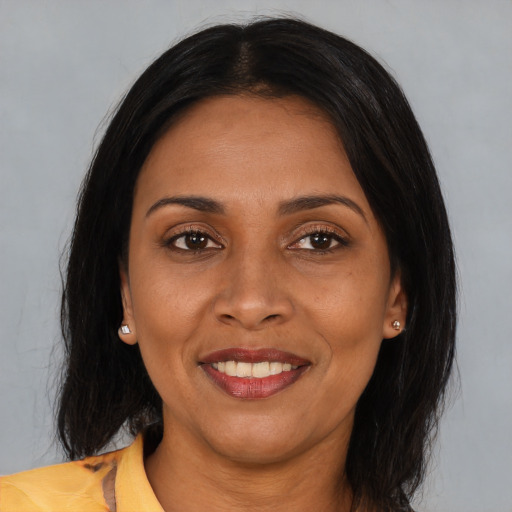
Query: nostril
x=271 y=319
x=250 y=311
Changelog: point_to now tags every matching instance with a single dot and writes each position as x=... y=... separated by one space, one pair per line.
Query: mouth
x=253 y=374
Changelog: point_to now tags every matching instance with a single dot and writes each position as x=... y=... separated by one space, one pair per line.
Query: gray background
x=64 y=64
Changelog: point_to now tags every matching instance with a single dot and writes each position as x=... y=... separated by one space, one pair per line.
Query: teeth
x=243 y=369
x=261 y=370
x=257 y=370
x=230 y=368
x=276 y=368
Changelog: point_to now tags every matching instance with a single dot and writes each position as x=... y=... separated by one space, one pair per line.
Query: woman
x=260 y=287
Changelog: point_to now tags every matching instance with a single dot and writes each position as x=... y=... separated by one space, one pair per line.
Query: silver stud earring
x=396 y=325
x=124 y=329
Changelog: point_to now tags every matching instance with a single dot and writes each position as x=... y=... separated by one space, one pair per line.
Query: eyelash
x=190 y=230
x=323 y=230
x=331 y=233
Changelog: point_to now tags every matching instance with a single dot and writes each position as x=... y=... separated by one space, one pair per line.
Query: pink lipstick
x=253 y=374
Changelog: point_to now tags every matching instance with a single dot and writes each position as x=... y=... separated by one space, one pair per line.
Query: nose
x=253 y=295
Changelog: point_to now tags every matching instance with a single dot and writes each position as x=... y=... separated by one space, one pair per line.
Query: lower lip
x=251 y=387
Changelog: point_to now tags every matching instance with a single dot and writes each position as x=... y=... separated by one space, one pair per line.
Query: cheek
x=165 y=325
x=350 y=306
x=349 y=313
x=163 y=316
x=167 y=300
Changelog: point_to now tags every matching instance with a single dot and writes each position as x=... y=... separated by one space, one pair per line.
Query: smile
x=253 y=374
x=256 y=370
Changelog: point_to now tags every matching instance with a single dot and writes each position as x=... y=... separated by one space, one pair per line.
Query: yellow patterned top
x=114 y=482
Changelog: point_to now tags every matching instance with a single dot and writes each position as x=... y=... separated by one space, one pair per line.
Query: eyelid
x=178 y=237
x=298 y=234
x=182 y=230
x=338 y=234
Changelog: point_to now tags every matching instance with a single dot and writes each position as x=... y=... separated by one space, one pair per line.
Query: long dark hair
x=105 y=385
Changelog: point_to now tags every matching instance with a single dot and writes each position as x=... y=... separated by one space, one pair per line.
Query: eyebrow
x=202 y=204
x=302 y=203
x=310 y=202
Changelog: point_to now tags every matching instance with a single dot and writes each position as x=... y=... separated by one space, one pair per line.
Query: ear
x=396 y=313
x=128 y=330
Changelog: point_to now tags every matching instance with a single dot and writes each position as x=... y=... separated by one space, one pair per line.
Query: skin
x=259 y=282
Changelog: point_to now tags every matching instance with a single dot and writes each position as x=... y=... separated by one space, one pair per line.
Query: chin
x=256 y=443
x=256 y=453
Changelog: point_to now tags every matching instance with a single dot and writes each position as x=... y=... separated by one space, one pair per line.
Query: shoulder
x=77 y=486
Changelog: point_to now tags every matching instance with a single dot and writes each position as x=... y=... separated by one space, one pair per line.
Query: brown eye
x=320 y=241
x=194 y=241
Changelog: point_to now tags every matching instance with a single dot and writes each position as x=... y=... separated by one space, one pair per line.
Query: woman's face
x=258 y=284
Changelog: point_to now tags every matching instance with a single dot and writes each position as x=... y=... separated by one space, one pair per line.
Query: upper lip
x=245 y=355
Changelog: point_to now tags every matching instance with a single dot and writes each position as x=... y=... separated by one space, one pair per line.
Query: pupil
x=196 y=241
x=320 y=241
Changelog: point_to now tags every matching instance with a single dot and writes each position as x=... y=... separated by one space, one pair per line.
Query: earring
x=396 y=325
x=124 y=329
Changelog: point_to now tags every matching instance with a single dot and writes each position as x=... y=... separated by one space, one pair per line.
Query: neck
x=188 y=476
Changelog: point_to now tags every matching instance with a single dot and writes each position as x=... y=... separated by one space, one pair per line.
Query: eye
x=320 y=241
x=193 y=241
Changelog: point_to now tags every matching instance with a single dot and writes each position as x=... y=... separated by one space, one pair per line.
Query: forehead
x=248 y=146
